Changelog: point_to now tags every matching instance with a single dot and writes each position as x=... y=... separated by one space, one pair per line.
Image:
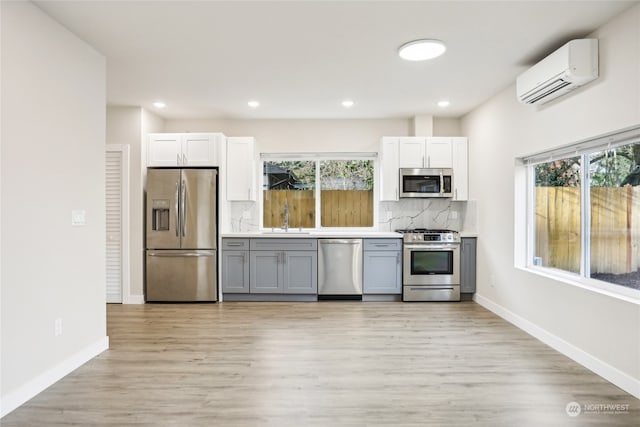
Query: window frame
x=524 y=243
x=317 y=158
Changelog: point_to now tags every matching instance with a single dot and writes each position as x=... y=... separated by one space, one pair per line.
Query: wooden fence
x=615 y=228
x=340 y=208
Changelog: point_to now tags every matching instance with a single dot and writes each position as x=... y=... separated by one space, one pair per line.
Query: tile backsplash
x=405 y=213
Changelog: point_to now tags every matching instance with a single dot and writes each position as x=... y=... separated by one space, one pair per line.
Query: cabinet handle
x=234 y=244
x=178 y=159
x=184 y=159
x=423 y=161
x=284 y=258
x=398 y=258
x=456 y=194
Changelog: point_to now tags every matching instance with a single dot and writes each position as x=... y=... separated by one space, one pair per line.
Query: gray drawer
x=235 y=244
x=288 y=244
x=382 y=244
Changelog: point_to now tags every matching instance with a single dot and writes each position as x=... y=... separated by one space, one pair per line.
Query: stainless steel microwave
x=426 y=183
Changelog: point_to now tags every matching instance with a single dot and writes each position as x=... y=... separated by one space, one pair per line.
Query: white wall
x=130 y=126
x=53 y=127
x=600 y=331
x=277 y=136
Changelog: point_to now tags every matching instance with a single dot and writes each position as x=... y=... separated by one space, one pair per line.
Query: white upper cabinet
x=421 y=152
x=439 y=152
x=460 y=159
x=241 y=168
x=412 y=151
x=389 y=166
x=177 y=149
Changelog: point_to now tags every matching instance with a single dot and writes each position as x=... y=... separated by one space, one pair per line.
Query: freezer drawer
x=181 y=276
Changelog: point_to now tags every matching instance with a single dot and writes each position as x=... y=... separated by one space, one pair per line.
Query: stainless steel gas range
x=431 y=268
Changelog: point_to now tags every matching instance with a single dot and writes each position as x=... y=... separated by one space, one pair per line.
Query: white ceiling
x=300 y=59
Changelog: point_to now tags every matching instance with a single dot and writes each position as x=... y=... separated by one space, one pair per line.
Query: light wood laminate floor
x=322 y=364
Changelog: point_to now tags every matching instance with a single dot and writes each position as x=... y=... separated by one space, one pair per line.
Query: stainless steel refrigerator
x=181 y=235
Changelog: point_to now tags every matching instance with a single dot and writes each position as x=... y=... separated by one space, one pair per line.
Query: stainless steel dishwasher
x=340 y=268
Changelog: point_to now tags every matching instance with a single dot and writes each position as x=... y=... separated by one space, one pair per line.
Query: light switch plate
x=78 y=217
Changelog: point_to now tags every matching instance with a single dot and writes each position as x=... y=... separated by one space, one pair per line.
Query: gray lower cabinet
x=283 y=266
x=235 y=266
x=235 y=272
x=468 y=265
x=287 y=272
x=382 y=266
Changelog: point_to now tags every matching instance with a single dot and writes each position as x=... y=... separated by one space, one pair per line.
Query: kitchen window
x=584 y=211
x=318 y=191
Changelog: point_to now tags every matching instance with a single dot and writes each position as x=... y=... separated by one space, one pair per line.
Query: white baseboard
x=27 y=391
x=610 y=373
x=135 y=299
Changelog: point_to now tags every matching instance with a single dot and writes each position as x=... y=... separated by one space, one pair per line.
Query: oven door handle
x=429 y=247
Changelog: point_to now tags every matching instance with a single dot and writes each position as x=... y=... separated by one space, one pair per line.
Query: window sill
x=614 y=291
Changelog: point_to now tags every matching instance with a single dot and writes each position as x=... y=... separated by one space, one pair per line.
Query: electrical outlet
x=58 y=327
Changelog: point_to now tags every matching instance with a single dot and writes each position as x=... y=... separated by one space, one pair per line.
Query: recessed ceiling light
x=253 y=104
x=421 y=50
x=347 y=103
x=159 y=104
x=443 y=104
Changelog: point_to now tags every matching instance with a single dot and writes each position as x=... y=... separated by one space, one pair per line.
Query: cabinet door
x=439 y=153
x=199 y=150
x=460 y=169
x=300 y=272
x=266 y=272
x=468 y=265
x=240 y=168
x=164 y=150
x=235 y=272
x=412 y=152
x=389 y=169
x=382 y=272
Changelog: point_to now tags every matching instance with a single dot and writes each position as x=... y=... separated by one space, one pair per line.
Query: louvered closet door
x=114 y=226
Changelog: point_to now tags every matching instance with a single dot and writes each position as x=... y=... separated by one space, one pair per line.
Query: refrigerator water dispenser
x=160 y=215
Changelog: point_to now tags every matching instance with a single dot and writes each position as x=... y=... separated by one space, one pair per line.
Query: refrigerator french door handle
x=177 y=215
x=183 y=202
x=173 y=255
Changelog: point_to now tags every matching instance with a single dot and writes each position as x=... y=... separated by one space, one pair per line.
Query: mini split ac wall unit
x=573 y=65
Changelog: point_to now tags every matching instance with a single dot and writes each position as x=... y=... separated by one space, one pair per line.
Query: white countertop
x=468 y=234
x=314 y=234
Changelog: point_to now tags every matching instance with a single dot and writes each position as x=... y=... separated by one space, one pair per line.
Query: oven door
x=431 y=264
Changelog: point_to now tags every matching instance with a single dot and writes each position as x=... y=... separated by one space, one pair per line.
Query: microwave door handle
x=441 y=182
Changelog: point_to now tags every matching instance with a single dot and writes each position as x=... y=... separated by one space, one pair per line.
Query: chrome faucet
x=285 y=224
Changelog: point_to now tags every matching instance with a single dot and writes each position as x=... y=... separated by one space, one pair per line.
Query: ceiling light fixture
x=347 y=103
x=159 y=104
x=421 y=50
x=253 y=104
x=443 y=104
